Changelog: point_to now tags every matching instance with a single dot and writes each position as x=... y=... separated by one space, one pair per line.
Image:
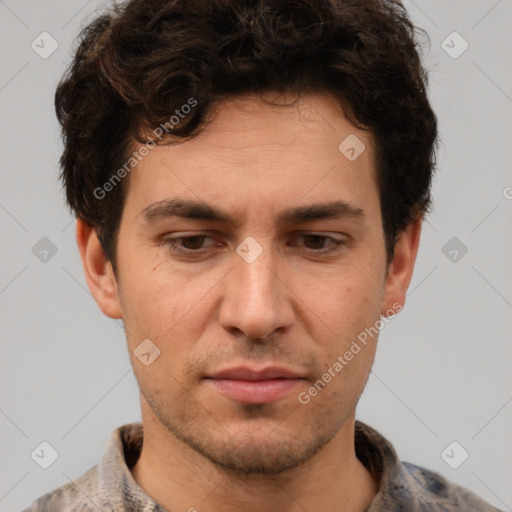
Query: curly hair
x=141 y=61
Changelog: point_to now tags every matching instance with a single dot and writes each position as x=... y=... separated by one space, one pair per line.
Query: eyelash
x=171 y=243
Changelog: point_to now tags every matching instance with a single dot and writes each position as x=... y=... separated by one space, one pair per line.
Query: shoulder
x=436 y=493
x=407 y=487
x=81 y=495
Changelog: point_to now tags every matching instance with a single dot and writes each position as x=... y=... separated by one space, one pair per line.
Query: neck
x=178 y=478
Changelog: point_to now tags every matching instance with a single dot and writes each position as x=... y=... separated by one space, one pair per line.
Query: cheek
x=169 y=313
x=155 y=296
x=347 y=299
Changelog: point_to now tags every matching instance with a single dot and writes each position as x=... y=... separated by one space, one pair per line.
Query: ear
x=401 y=268
x=98 y=270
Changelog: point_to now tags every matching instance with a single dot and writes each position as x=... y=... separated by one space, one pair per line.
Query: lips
x=245 y=373
x=248 y=385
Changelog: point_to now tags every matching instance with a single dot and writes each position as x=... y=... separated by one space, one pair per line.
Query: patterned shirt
x=403 y=487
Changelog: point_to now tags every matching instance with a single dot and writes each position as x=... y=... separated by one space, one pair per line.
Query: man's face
x=290 y=297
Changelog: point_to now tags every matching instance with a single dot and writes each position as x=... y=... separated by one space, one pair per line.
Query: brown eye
x=192 y=242
x=315 y=241
x=189 y=245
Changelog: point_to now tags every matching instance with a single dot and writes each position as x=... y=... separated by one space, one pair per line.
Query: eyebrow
x=189 y=209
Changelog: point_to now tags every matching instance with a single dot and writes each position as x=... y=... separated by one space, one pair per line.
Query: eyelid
x=326 y=234
x=187 y=234
x=167 y=240
x=335 y=246
x=336 y=243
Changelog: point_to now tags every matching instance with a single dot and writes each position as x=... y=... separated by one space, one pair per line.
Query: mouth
x=251 y=386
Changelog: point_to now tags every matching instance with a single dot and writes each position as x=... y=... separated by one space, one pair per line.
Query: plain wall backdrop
x=442 y=371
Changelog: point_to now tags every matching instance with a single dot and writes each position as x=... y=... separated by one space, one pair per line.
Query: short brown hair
x=139 y=62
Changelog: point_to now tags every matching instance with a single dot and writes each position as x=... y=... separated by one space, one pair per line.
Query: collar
x=402 y=486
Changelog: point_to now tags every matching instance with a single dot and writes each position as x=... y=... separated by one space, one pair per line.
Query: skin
x=293 y=306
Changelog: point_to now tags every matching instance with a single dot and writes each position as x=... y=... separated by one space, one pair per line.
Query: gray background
x=442 y=371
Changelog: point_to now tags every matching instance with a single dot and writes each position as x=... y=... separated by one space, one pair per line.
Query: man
x=249 y=179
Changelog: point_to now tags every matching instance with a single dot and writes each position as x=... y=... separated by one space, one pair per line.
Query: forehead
x=253 y=155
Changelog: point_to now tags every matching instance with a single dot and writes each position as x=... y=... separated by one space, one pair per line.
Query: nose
x=257 y=299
